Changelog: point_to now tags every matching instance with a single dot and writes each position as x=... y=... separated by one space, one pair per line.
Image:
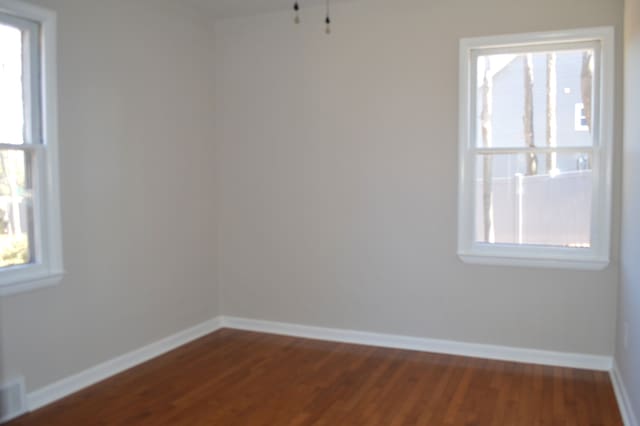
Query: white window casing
x=594 y=257
x=41 y=144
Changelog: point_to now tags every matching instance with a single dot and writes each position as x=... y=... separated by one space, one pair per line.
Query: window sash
x=31 y=76
x=527 y=150
x=596 y=46
x=533 y=47
x=33 y=140
x=533 y=250
x=38 y=158
x=498 y=152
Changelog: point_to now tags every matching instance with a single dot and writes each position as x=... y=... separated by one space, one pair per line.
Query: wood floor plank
x=241 y=378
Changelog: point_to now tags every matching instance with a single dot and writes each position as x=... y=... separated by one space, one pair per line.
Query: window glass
x=16 y=209
x=531 y=98
x=12 y=124
x=551 y=207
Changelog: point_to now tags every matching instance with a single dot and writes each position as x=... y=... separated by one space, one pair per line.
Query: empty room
x=320 y=212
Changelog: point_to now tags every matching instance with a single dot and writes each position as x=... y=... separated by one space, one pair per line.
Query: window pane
x=538 y=99
x=12 y=109
x=16 y=208
x=550 y=207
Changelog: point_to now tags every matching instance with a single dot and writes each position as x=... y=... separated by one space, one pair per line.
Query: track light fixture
x=296 y=8
x=327 y=20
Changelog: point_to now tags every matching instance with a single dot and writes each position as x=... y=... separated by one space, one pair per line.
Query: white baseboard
x=72 y=384
x=624 y=402
x=503 y=353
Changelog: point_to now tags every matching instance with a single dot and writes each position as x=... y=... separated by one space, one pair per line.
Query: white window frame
x=598 y=256
x=47 y=268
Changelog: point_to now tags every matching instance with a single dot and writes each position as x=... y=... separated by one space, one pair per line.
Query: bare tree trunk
x=552 y=107
x=587 y=85
x=487 y=136
x=529 y=139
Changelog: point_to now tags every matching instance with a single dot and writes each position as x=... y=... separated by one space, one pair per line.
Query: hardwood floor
x=240 y=378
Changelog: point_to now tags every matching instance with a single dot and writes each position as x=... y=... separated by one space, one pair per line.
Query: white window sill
x=585 y=264
x=30 y=284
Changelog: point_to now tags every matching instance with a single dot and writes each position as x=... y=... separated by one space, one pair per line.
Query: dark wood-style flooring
x=240 y=378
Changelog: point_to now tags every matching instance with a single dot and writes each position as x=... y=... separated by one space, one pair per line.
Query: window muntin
x=535 y=189
x=30 y=245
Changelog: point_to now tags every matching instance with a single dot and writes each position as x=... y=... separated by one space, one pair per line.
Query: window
x=536 y=148
x=30 y=243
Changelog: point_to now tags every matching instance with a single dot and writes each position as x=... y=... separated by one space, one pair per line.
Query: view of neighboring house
x=563 y=183
x=508 y=100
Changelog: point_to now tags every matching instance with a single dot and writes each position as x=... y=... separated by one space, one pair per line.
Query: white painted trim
x=503 y=353
x=528 y=262
x=31 y=284
x=624 y=402
x=537 y=38
x=77 y=382
x=48 y=268
x=72 y=384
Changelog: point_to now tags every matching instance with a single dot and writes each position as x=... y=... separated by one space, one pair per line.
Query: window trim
x=598 y=256
x=49 y=267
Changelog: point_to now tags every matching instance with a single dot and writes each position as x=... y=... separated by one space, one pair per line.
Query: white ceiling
x=222 y=9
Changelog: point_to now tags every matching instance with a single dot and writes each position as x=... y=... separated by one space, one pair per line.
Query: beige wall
x=628 y=357
x=136 y=172
x=338 y=158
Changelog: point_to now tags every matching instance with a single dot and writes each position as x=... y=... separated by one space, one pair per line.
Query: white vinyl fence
x=542 y=209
